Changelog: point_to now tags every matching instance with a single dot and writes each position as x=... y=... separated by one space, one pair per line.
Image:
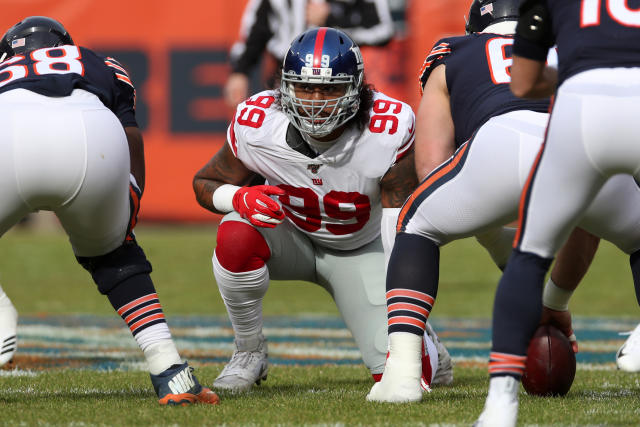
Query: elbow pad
x=534 y=24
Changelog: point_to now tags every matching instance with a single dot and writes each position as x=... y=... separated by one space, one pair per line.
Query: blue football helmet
x=321 y=56
x=32 y=33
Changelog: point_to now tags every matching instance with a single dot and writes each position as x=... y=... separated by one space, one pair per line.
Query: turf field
x=76 y=363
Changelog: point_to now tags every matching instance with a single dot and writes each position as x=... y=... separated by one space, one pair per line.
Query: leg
x=8 y=328
x=499 y=243
x=97 y=218
x=242 y=274
x=615 y=215
x=545 y=222
x=628 y=356
x=454 y=201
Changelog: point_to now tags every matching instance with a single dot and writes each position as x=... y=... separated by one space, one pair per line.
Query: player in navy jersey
x=475 y=144
x=71 y=145
x=592 y=139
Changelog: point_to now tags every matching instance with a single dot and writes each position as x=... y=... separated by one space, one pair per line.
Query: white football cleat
x=501 y=406
x=401 y=380
x=628 y=356
x=444 y=370
x=8 y=329
x=248 y=365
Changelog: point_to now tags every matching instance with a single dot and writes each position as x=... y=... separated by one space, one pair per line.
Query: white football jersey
x=334 y=198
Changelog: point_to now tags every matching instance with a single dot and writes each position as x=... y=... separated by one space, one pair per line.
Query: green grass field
x=39 y=273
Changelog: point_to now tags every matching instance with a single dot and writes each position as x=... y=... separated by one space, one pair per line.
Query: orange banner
x=177 y=55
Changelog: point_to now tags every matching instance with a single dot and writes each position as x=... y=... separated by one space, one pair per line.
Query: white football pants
x=483 y=190
x=355 y=279
x=594 y=135
x=68 y=155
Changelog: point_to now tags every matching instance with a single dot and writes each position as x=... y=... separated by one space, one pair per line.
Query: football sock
x=242 y=294
x=412 y=283
x=518 y=303
x=161 y=354
x=136 y=301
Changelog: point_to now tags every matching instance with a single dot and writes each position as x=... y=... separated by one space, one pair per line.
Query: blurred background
x=177 y=53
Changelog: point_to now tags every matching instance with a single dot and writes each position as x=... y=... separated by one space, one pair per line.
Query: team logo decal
x=313 y=168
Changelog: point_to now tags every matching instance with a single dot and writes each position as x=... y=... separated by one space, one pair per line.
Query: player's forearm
x=574 y=258
x=398 y=183
x=204 y=189
x=532 y=79
x=571 y=265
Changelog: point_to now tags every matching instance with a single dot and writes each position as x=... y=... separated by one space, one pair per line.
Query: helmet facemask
x=318 y=118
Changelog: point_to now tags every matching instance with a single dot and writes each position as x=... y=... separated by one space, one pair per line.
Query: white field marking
x=100 y=334
x=268 y=331
x=600 y=346
x=19 y=373
x=596 y=366
x=73 y=390
x=475 y=345
x=88 y=355
x=95 y=336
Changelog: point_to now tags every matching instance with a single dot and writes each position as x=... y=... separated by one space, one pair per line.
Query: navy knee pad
x=113 y=268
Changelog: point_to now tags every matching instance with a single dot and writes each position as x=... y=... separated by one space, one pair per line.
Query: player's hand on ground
x=255 y=205
x=562 y=321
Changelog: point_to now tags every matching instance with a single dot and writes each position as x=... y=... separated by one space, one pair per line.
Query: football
x=551 y=363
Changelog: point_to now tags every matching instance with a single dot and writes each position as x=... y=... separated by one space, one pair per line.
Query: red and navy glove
x=255 y=205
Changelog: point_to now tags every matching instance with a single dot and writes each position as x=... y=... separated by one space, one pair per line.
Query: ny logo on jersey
x=313 y=168
x=316 y=181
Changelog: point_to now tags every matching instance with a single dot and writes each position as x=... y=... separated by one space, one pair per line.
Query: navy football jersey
x=589 y=34
x=478 y=75
x=57 y=71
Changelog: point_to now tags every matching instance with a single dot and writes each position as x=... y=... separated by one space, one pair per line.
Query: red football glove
x=255 y=205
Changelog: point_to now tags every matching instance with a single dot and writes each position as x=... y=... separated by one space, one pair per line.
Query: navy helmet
x=33 y=33
x=500 y=15
x=322 y=56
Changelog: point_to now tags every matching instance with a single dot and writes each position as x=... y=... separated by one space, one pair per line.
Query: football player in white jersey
x=337 y=158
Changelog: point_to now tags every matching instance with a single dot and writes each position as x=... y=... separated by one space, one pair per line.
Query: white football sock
x=161 y=355
x=242 y=294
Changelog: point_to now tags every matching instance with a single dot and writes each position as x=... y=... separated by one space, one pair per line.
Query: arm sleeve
x=534 y=33
x=124 y=94
x=368 y=22
x=255 y=32
x=437 y=56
